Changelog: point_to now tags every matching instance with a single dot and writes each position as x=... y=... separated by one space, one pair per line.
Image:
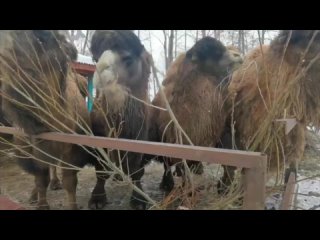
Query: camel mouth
x=104 y=78
x=105 y=73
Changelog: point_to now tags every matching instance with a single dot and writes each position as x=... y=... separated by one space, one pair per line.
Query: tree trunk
x=72 y=36
x=262 y=36
x=241 y=43
x=165 y=48
x=175 y=43
x=185 y=40
x=85 y=42
x=170 y=48
x=217 y=34
x=203 y=33
x=155 y=89
x=232 y=38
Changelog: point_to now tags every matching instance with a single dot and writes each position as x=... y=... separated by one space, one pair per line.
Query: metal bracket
x=290 y=123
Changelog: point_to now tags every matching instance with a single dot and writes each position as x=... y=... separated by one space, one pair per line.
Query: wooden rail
x=254 y=163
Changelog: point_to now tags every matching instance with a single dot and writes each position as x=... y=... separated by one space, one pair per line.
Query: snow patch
x=85 y=59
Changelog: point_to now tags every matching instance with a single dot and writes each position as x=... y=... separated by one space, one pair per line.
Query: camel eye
x=128 y=60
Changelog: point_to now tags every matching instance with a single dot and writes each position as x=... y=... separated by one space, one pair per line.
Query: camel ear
x=42 y=35
x=192 y=56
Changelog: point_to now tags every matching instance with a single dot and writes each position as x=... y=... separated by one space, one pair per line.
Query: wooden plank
x=240 y=159
x=254 y=180
x=289 y=193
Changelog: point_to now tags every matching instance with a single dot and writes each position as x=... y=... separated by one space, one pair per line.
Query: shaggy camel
x=121 y=80
x=195 y=86
x=40 y=95
x=276 y=81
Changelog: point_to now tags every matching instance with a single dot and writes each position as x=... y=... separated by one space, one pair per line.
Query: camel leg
x=34 y=195
x=98 y=198
x=133 y=166
x=42 y=182
x=55 y=183
x=69 y=182
x=167 y=182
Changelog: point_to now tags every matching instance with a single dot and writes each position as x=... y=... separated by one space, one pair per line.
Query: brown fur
x=195 y=90
x=115 y=113
x=82 y=84
x=7 y=139
x=267 y=88
x=36 y=62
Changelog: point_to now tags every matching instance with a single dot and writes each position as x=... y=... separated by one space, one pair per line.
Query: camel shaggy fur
x=82 y=84
x=40 y=95
x=55 y=183
x=277 y=81
x=121 y=80
x=195 y=87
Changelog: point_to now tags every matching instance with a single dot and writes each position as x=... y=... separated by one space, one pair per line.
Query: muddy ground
x=17 y=184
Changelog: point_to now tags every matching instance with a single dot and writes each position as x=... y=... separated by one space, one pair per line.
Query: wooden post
x=255 y=186
x=90 y=91
x=288 y=196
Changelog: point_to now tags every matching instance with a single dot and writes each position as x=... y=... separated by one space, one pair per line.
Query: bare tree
x=232 y=33
x=185 y=40
x=73 y=35
x=168 y=47
x=203 y=32
x=241 y=41
x=217 y=34
x=165 y=39
x=261 y=35
x=175 y=43
x=85 y=42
